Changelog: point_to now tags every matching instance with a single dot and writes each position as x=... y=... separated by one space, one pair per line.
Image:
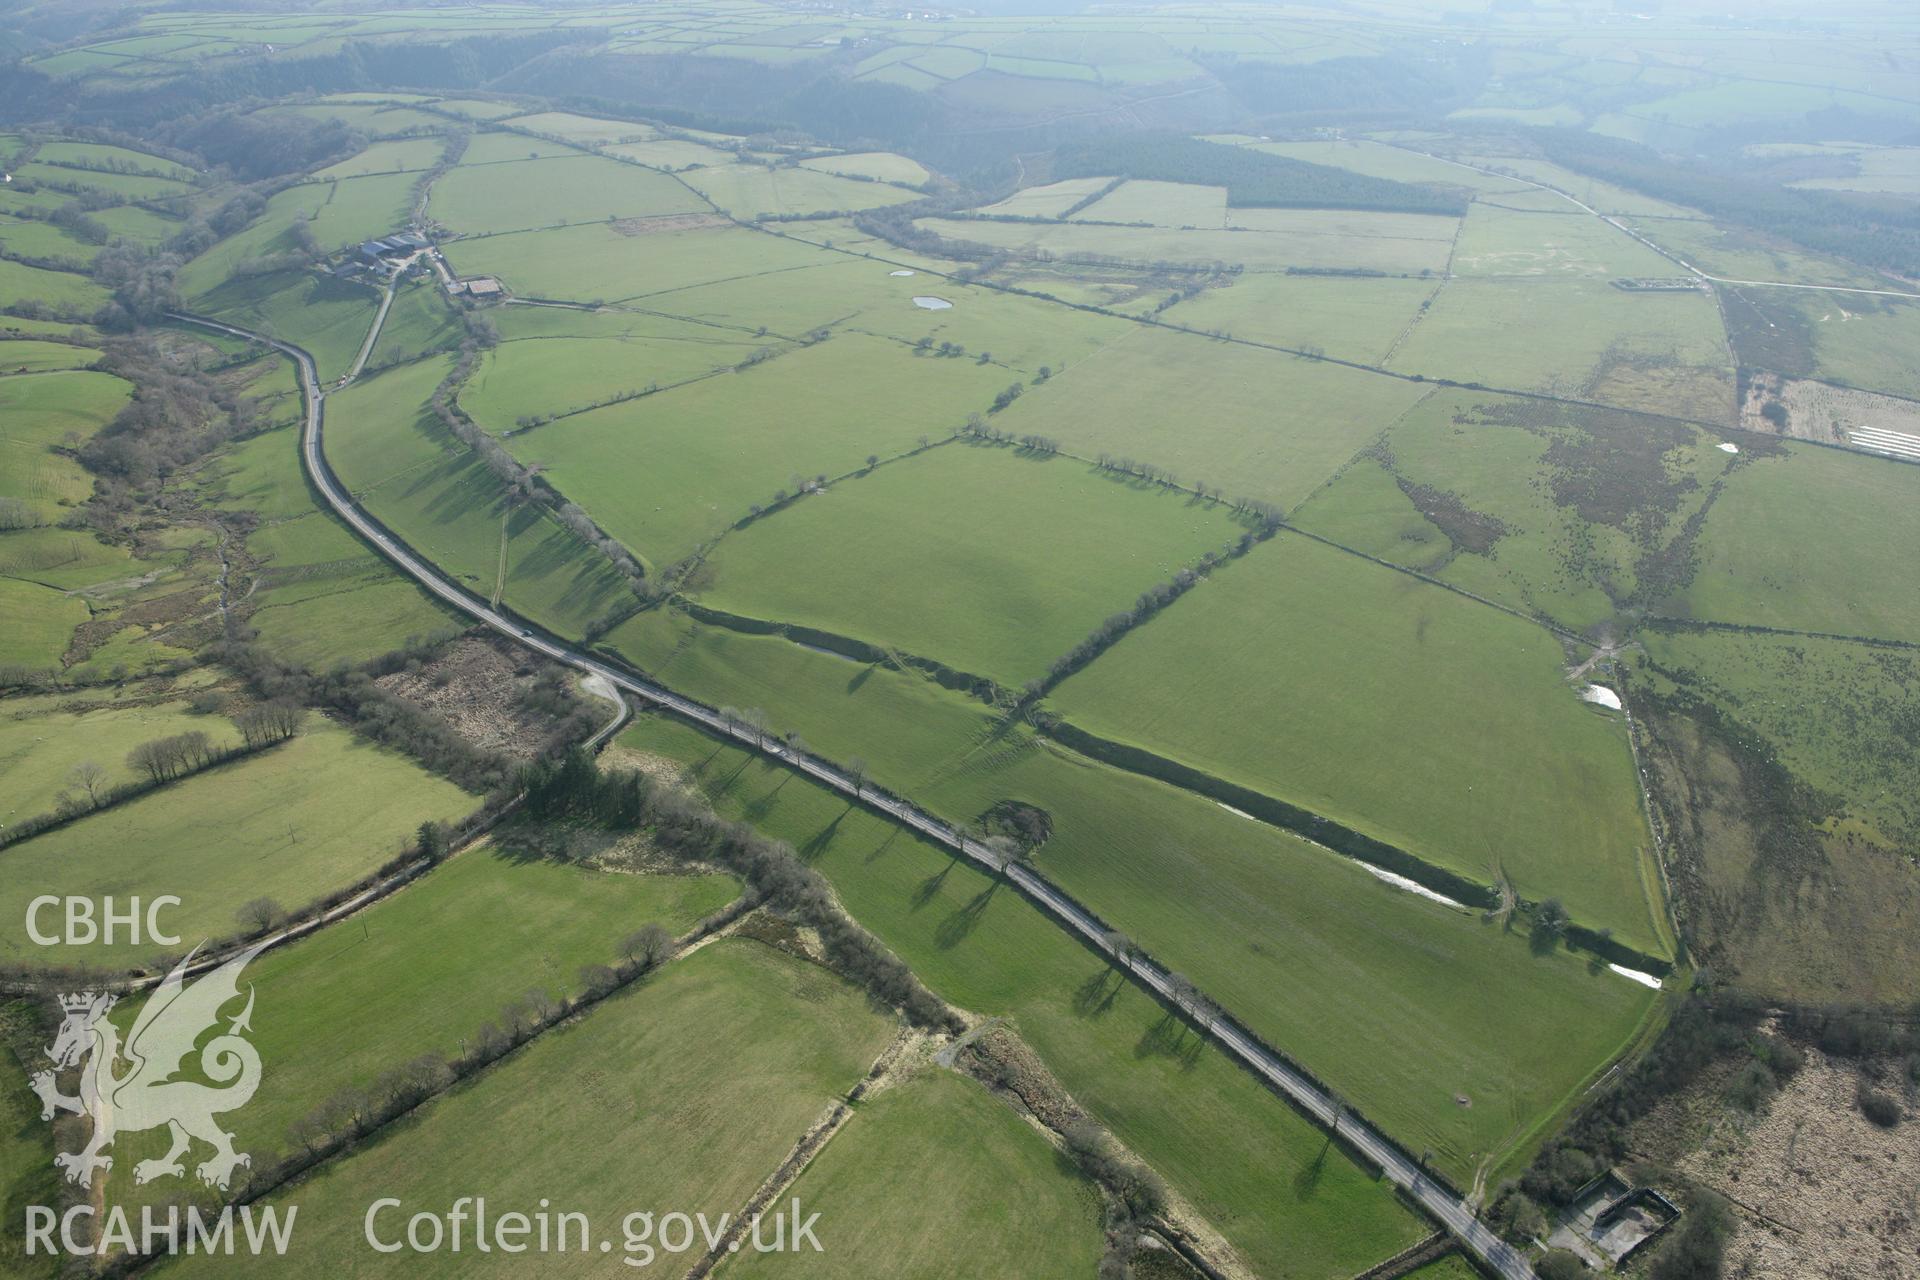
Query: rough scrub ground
x=1821 y=1192
x=481 y=686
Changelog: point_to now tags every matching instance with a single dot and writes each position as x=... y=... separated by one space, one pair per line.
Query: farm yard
x=1169 y=543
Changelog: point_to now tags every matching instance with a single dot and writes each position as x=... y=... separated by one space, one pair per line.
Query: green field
x=1349 y=689
x=1261 y=1175
x=43 y=414
x=1572 y=514
x=61 y=558
x=407 y=155
x=1833 y=712
x=1812 y=540
x=42 y=739
x=339 y=213
x=36 y=624
x=666 y=473
x=883 y=166
x=63 y=291
x=1261 y=240
x=28 y=356
x=487 y=198
x=1350 y=319
x=1655 y=352
x=328 y=317
x=556 y=361
x=945 y=1181
x=408 y=470
x=705 y=1109
x=265 y=826
x=1254 y=423
x=419 y=322
x=752 y=191
x=600 y=262
x=1196 y=883
x=427 y=968
x=964 y=534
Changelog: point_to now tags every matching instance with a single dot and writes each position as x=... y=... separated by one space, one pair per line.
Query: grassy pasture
x=1352 y=319
x=39 y=414
x=666 y=473
x=419 y=322
x=554 y=361
x=36 y=624
x=671 y=153
x=424 y=970
x=1655 y=352
x=1832 y=712
x=1259 y=423
x=1380 y=160
x=340 y=213
x=27 y=238
x=1314 y=647
x=1501 y=242
x=61 y=558
x=1050 y=200
x=404 y=155
x=516 y=196
x=598 y=262
x=1238 y=905
x=1248 y=1162
x=683 y=1110
x=26 y=355
x=372 y=119
x=752 y=191
x=507 y=148
x=1262 y=240
x=1572 y=514
x=962 y=536
x=128 y=186
x=586 y=130
x=268 y=825
x=426 y=486
x=945 y=1180
x=63 y=291
x=1813 y=540
x=1865 y=346
x=143 y=226
x=329 y=318
x=1164 y=204
x=95 y=153
x=882 y=166
x=324 y=596
x=43 y=737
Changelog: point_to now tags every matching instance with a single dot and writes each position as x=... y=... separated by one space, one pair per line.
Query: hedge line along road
x=1440 y=1201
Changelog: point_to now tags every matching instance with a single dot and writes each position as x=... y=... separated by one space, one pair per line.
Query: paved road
x=1441 y=1202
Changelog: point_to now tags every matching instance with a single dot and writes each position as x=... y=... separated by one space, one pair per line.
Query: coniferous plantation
x=731 y=638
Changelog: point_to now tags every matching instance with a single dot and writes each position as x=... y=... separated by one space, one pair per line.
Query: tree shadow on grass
x=1307 y=1181
x=761 y=805
x=861 y=677
x=1168 y=1038
x=880 y=850
x=929 y=889
x=1097 y=994
x=820 y=841
x=955 y=928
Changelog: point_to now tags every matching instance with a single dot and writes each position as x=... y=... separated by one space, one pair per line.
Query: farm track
x=1445 y=1205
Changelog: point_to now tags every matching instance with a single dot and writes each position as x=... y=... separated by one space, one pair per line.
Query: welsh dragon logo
x=148 y=1093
